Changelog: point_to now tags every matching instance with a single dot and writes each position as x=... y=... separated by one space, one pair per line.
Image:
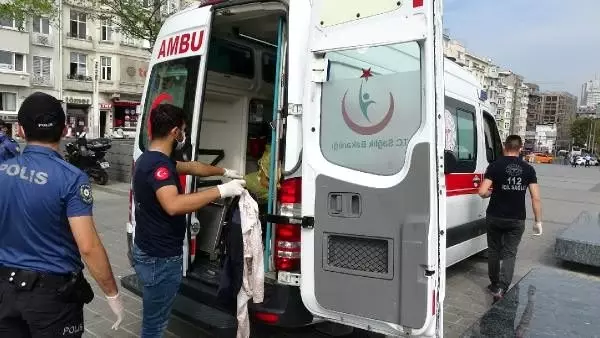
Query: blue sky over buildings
x=553 y=42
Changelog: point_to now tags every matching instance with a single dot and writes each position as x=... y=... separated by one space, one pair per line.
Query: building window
x=78 y=25
x=12 y=61
x=106 y=31
x=106 y=68
x=78 y=66
x=127 y=40
x=41 y=25
x=41 y=67
x=8 y=101
x=8 y=22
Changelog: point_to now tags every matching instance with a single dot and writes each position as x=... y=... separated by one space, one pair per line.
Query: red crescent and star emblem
x=161 y=174
x=364 y=103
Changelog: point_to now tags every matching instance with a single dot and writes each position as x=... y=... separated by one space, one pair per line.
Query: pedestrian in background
x=160 y=210
x=509 y=178
x=9 y=148
x=46 y=228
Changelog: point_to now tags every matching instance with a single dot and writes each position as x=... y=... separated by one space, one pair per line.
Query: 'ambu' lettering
x=181 y=44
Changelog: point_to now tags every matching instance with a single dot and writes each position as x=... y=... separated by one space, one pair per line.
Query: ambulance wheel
x=102 y=178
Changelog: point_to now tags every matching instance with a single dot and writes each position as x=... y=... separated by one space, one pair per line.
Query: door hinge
x=294 y=109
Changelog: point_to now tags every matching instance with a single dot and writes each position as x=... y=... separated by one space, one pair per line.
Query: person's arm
x=488 y=181
x=484 y=188
x=200 y=169
x=536 y=201
x=79 y=205
x=173 y=203
x=93 y=253
x=196 y=168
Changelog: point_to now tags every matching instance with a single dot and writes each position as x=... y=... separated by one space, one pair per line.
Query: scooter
x=89 y=157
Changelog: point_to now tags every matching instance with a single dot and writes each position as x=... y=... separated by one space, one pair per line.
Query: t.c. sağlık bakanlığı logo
x=364 y=102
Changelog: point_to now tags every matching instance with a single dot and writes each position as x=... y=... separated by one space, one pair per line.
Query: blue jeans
x=161 y=278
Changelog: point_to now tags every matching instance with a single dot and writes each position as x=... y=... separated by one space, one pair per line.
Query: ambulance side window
x=493 y=144
x=461 y=135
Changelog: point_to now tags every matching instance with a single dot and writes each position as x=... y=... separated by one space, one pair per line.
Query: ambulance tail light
x=287 y=236
x=204 y=3
x=417 y=3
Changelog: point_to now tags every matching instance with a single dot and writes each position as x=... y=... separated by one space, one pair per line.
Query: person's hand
x=116 y=305
x=233 y=188
x=233 y=174
x=537 y=229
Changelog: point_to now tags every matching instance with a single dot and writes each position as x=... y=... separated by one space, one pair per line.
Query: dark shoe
x=496 y=292
x=492 y=288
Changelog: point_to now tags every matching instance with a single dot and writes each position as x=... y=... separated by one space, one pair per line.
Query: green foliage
x=580 y=131
x=21 y=10
x=137 y=19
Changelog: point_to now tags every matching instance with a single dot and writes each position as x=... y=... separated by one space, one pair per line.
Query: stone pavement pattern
x=566 y=193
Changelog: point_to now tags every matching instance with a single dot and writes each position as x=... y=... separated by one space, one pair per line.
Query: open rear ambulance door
x=373 y=186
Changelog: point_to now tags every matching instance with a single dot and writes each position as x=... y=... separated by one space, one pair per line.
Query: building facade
x=98 y=73
x=545 y=138
x=559 y=108
x=590 y=93
x=534 y=108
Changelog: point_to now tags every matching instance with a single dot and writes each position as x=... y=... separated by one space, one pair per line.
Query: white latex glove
x=537 y=229
x=116 y=305
x=233 y=188
x=233 y=174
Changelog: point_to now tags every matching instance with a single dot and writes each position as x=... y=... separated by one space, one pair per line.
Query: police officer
x=46 y=228
x=9 y=148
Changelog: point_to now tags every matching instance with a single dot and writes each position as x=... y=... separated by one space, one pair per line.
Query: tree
x=20 y=10
x=580 y=132
x=139 y=19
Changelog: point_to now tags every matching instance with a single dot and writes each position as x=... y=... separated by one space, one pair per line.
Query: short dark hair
x=42 y=118
x=3 y=124
x=164 y=118
x=513 y=143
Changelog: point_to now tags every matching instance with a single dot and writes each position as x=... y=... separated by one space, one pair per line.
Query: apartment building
x=534 y=109
x=97 y=72
x=590 y=93
x=483 y=69
x=558 y=108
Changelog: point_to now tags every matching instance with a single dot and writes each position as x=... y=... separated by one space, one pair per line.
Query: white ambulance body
x=372 y=151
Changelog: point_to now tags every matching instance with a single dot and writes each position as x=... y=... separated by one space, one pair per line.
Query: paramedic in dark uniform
x=509 y=177
x=46 y=228
x=161 y=206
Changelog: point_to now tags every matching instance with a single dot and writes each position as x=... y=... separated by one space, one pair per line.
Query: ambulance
x=375 y=147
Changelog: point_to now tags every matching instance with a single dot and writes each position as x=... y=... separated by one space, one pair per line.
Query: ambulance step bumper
x=214 y=321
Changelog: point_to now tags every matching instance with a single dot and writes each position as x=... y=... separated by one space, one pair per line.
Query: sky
x=555 y=43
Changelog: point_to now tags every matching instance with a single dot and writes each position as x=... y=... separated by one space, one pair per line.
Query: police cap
x=42 y=112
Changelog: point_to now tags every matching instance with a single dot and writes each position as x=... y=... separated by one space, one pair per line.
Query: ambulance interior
x=236 y=124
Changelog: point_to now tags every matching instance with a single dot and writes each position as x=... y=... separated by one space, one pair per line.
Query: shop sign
x=77 y=100
x=105 y=106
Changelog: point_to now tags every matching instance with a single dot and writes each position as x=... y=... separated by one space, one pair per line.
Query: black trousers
x=503 y=238
x=38 y=312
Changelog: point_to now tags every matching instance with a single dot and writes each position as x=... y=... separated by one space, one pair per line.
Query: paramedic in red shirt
x=509 y=177
x=161 y=206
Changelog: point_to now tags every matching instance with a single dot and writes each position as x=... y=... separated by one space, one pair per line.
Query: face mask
x=180 y=143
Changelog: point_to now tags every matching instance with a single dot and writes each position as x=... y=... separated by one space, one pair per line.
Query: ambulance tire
x=364 y=334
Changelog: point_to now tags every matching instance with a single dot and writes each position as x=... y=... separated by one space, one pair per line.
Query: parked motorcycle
x=89 y=157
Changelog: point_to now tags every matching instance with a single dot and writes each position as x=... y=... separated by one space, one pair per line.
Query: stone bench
x=545 y=303
x=580 y=242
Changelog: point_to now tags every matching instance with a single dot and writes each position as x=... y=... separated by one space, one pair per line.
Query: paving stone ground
x=566 y=192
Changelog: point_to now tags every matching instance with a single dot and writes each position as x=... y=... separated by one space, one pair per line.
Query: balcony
x=79 y=41
x=17 y=40
x=44 y=40
x=11 y=78
x=80 y=83
x=42 y=81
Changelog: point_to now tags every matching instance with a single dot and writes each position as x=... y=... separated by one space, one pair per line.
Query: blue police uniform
x=9 y=148
x=40 y=191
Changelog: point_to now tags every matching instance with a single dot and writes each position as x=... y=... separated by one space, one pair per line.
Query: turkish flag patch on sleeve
x=161 y=174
